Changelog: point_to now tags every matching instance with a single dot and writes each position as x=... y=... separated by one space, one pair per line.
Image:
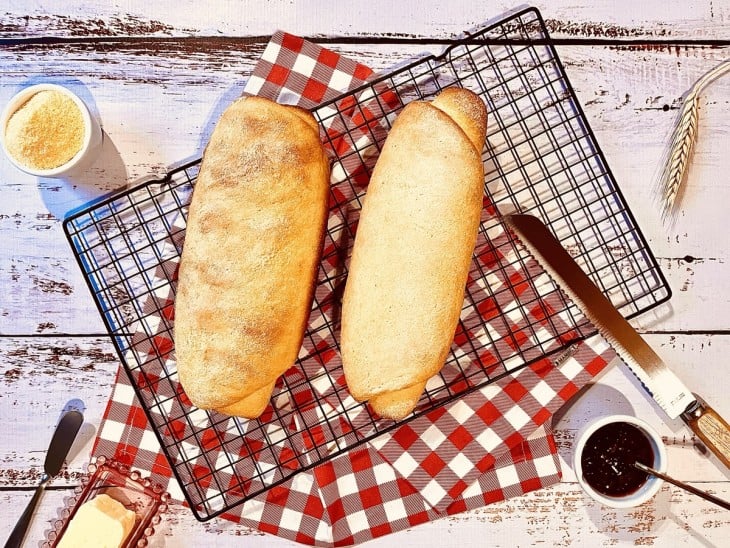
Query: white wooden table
x=159 y=73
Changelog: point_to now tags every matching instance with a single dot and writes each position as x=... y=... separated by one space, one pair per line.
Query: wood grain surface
x=158 y=75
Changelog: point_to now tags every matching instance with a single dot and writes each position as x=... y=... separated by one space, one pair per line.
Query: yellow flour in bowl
x=45 y=132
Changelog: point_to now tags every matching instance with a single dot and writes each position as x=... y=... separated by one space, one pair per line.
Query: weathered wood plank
x=159 y=95
x=377 y=18
x=158 y=107
x=559 y=516
x=40 y=375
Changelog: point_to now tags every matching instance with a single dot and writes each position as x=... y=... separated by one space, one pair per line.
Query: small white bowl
x=92 y=132
x=652 y=484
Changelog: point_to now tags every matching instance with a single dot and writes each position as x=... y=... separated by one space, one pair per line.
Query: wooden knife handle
x=711 y=428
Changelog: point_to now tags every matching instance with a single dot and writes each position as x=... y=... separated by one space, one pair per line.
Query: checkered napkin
x=491 y=444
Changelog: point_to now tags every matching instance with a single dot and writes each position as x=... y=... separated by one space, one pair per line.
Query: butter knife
x=61 y=442
x=660 y=382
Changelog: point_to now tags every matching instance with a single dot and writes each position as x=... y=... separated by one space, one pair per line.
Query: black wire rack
x=541 y=157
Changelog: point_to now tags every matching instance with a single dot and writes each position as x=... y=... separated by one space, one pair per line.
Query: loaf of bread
x=249 y=262
x=412 y=251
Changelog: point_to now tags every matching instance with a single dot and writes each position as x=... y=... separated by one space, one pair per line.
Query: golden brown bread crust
x=468 y=111
x=252 y=405
x=251 y=253
x=412 y=251
x=397 y=404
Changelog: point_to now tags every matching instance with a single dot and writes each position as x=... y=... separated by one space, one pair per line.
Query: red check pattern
x=491 y=444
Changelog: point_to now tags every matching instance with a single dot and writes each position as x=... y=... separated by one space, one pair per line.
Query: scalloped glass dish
x=145 y=498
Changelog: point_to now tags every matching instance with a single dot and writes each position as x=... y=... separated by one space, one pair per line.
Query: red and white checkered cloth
x=486 y=446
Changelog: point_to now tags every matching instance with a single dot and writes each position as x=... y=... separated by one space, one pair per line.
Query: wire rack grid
x=541 y=157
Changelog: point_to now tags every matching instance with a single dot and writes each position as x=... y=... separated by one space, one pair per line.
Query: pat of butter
x=99 y=523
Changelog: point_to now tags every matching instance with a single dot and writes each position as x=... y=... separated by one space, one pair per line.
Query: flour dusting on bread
x=250 y=257
x=412 y=251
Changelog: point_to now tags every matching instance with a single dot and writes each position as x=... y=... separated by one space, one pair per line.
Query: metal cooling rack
x=541 y=157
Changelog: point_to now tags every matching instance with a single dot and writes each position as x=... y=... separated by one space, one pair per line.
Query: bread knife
x=659 y=381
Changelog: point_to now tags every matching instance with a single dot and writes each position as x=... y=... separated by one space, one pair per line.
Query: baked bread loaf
x=249 y=262
x=412 y=251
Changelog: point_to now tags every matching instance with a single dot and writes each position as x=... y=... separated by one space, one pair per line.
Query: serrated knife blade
x=663 y=385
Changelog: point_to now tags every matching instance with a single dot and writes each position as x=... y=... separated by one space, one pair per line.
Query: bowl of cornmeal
x=47 y=131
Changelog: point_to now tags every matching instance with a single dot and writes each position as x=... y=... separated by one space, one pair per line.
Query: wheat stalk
x=682 y=141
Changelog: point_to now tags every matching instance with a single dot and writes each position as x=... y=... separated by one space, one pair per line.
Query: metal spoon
x=681 y=484
x=59 y=447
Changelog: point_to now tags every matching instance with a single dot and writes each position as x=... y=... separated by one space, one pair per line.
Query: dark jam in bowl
x=609 y=455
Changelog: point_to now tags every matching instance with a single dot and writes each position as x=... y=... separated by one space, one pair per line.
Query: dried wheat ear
x=683 y=138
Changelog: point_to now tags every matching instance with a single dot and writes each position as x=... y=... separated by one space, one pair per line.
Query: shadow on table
x=86 y=433
x=601 y=401
x=631 y=525
x=106 y=175
x=621 y=525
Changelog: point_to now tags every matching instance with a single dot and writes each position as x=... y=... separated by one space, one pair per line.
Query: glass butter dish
x=142 y=496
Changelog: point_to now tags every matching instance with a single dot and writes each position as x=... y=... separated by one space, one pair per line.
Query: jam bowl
x=603 y=460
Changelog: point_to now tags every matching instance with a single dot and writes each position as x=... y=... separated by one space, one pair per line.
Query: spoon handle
x=18 y=534
x=685 y=486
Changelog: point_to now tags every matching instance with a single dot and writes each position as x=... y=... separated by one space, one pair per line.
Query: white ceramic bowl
x=92 y=132
x=652 y=484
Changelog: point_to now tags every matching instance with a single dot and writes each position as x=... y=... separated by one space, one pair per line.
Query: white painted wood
x=158 y=101
x=158 y=109
x=39 y=375
x=559 y=516
x=355 y=18
x=84 y=367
